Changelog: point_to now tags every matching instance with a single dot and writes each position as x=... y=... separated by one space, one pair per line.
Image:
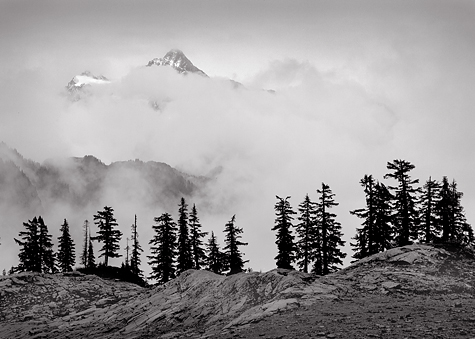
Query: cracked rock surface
x=380 y=296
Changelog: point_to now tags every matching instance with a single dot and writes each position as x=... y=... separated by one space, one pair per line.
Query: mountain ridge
x=80 y=180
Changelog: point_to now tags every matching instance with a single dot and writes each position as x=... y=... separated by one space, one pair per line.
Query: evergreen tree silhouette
x=444 y=209
x=84 y=253
x=233 y=254
x=198 y=252
x=66 y=252
x=108 y=235
x=163 y=249
x=286 y=249
x=184 y=261
x=126 y=264
x=216 y=260
x=36 y=253
x=451 y=215
x=91 y=259
x=430 y=228
x=375 y=235
x=330 y=254
x=28 y=256
x=365 y=236
x=462 y=231
x=308 y=234
x=406 y=215
x=384 y=230
x=135 y=260
x=45 y=248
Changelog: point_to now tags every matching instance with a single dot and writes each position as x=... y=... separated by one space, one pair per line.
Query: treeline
x=405 y=213
x=175 y=247
x=394 y=215
x=319 y=234
x=179 y=246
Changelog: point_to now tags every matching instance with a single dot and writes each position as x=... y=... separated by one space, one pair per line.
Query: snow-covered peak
x=86 y=78
x=176 y=59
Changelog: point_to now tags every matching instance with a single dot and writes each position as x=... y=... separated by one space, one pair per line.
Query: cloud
x=352 y=91
x=257 y=143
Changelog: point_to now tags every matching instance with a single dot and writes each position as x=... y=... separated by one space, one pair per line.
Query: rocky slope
x=177 y=60
x=386 y=295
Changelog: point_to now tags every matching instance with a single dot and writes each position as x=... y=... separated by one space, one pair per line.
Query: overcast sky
x=358 y=84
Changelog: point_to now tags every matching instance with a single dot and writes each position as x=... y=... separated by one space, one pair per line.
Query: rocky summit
x=416 y=291
x=177 y=60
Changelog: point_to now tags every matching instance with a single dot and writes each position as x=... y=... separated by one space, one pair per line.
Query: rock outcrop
x=414 y=269
x=199 y=304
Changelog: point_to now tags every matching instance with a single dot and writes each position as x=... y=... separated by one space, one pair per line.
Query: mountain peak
x=85 y=78
x=178 y=60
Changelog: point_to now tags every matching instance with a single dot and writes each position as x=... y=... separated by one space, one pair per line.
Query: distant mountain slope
x=200 y=304
x=82 y=181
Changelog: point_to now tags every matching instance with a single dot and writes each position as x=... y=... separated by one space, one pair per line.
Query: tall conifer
x=365 y=236
x=184 y=261
x=91 y=259
x=136 y=250
x=406 y=215
x=196 y=236
x=330 y=230
x=108 y=235
x=233 y=254
x=45 y=248
x=308 y=234
x=66 y=251
x=84 y=254
x=29 y=258
x=216 y=260
x=429 y=227
x=384 y=231
x=286 y=249
x=163 y=249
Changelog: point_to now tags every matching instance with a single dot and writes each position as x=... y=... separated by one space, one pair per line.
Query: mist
x=252 y=143
x=330 y=93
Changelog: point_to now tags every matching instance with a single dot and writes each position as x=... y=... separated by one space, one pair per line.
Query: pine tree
x=330 y=231
x=106 y=223
x=36 y=254
x=216 y=260
x=84 y=254
x=286 y=249
x=406 y=215
x=198 y=252
x=66 y=252
x=45 y=248
x=365 y=236
x=451 y=216
x=91 y=259
x=29 y=258
x=136 y=250
x=233 y=255
x=163 y=249
x=384 y=215
x=184 y=261
x=430 y=228
x=375 y=235
x=127 y=249
x=308 y=234
x=444 y=209
x=463 y=232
